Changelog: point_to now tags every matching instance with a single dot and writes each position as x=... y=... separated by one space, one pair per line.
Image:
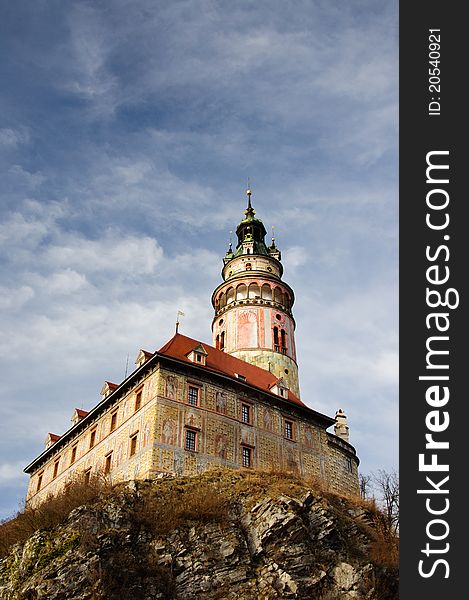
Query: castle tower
x=253 y=306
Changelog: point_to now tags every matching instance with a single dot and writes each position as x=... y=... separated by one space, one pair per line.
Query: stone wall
x=342 y=467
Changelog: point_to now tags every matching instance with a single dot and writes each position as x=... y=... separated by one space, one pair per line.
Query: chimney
x=340 y=427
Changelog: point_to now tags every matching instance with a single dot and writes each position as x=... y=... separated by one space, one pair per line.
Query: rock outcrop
x=220 y=535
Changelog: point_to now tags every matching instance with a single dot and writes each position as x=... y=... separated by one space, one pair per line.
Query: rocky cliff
x=220 y=535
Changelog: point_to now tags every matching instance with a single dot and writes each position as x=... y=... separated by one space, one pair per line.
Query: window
x=193 y=395
x=73 y=456
x=92 y=438
x=276 y=340
x=284 y=341
x=87 y=476
x=246 y=413
x=107 y=463
x=138 y=400
x=247 y=456
x=349 y=464
x=191 y=440
x=222 y=340
x=113 y=420
x=289 y=430
x=39 y=481
x=56 y=468
x=133 y=444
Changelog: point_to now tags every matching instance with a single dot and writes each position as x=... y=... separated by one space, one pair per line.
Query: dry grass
x=210 y=497
x=52 y=512
x=170 y=506
x=384 y=550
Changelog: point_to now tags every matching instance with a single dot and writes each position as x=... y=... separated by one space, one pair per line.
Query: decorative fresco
x=171 y=387
x=247 y=328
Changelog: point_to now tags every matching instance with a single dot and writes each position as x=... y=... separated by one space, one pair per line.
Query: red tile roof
x=221 y=362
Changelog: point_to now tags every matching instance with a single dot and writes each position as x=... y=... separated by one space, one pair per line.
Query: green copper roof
x=251 y=234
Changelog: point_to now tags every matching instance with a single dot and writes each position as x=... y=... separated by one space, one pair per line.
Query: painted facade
x=189 y=406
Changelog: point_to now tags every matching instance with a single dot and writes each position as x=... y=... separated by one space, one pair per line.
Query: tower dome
x=253 y=307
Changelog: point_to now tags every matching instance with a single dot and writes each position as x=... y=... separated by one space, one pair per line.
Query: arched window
x=230 y=295
x=217 y=344
x=276 y=340
x=222 y=340
x=266 y=292
x=286 y=300
x=278 y=296
x=254 y=291
x=241 y=292
x=283 y=341
x=248 y=265
x=222 y=300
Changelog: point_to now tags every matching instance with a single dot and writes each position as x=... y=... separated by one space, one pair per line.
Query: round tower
x=253 y=306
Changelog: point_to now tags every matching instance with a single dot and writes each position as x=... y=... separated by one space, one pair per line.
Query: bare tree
x=387 y=486
x=365 y=486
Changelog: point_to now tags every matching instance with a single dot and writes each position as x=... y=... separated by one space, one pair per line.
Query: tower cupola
x=253 y=306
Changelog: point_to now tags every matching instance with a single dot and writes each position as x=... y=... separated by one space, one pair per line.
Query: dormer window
x=142 y=357
x=198 y=355
x=108 y=388
x=51 y=439
x=78 y=415
x=280 y=388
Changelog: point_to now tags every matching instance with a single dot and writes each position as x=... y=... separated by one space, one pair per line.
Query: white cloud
x=10 y=471
x=124 y=255
x=60 y=283
x=15 y=298
x=14 y=137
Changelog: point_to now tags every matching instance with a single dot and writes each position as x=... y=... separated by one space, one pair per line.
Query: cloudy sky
x=128 y=129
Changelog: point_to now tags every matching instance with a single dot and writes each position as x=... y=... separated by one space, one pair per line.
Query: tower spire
x=253 y=305
x=249 y=212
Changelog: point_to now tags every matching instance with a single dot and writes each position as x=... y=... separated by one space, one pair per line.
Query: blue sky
x=128 y=130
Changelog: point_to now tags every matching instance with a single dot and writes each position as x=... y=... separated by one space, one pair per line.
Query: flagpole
x=177 y=319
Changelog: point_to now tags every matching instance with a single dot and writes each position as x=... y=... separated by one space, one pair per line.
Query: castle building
x=190 y=406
